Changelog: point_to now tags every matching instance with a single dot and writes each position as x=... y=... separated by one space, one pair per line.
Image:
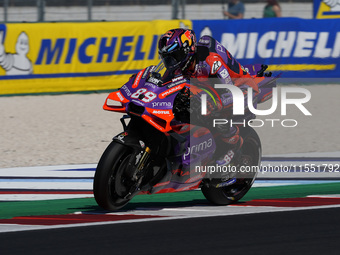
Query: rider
x=182 y=55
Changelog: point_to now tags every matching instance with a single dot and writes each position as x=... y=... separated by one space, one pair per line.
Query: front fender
x=130 y=139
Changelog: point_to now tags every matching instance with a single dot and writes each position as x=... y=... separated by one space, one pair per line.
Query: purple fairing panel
x=253 y=69
x=200 y=147
x=155 y=96
x=266 y=87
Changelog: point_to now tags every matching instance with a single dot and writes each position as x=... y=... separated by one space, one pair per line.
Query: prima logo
x=161 y=104
x=126 y=90
x=198 y=147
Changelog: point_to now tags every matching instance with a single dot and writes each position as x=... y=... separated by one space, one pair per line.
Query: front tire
x=250 y=155
x=110 y=185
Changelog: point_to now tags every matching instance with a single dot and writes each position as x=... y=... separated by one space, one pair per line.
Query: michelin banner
x=299 y=48
x=327 y=9
x=65 y=57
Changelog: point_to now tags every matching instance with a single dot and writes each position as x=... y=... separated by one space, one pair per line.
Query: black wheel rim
x=119 y=184
x=250 y=156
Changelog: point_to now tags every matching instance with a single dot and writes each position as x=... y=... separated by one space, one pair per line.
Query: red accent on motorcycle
x=166 y=115
x=159 y=124
x=162 y=184
x=266 y=97
x=196 y=178
x=137 y=80
x=113 y=100
x=182 y=128
x=201 y=132
x=172 y=190
x=170 y=91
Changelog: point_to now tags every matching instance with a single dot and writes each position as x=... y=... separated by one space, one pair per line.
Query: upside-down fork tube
x=144 y=159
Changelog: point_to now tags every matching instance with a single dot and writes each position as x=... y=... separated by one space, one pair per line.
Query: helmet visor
x=173 y=59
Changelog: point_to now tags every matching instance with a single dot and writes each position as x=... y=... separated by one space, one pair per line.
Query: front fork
x=142 y=162
x=140 y=159
x=138 y=173
x=143 y=158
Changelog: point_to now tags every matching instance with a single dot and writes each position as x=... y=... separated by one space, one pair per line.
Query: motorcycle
x=155 y=153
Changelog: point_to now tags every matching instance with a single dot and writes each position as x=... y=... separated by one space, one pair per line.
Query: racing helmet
x=177 y=47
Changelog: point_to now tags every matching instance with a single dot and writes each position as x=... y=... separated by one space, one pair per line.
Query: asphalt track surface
x=295 y=232
x=248 y=229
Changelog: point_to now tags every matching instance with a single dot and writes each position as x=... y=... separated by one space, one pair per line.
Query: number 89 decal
x=148 y=95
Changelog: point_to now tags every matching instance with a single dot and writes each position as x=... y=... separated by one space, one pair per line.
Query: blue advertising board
x=326 y=9
x=297 y=47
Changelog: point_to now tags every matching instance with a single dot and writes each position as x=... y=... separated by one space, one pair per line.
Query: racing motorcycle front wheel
x=250 y=156
x=112 y=183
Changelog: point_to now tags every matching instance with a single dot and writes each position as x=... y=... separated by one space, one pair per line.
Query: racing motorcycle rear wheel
x=250 y=156
x=112 y=183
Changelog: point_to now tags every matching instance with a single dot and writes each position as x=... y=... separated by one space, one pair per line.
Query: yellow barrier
x=65 y=57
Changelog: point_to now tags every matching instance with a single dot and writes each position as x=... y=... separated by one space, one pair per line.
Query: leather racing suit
x=215 y=61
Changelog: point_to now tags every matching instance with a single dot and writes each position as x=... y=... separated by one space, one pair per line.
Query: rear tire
x=250 y=155
x=109 y=188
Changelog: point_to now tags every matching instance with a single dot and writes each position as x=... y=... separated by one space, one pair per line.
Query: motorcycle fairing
x=157 y=111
